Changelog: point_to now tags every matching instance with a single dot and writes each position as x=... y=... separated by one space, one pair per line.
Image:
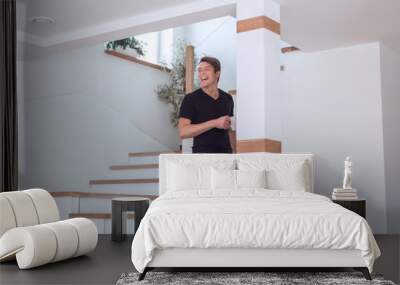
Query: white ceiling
x=324 y=24
x=73 y=15
x=308 y=24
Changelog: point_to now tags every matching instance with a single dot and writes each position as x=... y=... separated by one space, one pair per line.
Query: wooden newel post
x=189 y=87
x=189 y=65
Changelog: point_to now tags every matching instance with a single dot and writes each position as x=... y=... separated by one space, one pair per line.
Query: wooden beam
x=258 y=23
x=289 y=49
x=233 y=140
x=189 y=69
x=259 y=145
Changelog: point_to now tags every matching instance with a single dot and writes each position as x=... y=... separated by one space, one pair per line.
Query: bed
x=245 y=211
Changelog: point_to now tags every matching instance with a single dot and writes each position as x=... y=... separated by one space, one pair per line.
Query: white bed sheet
x=252 y=218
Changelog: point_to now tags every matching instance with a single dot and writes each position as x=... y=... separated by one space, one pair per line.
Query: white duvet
x=250 y=219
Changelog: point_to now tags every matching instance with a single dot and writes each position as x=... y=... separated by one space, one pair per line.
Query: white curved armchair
x=31 y=232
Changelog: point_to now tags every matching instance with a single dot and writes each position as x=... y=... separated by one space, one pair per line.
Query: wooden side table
x=358 y=206
x=120 y=205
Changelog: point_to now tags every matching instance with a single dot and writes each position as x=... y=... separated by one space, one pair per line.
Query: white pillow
x=226 y=179
x=288 y=177
x=223 y=179
x=251 y=178
x=193 y=172
x=282 y=174
x=182 y=177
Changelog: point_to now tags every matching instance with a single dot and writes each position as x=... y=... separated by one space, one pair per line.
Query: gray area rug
x=229 y=278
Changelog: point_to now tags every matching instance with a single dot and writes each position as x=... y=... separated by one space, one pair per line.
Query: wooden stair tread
x=150 y=153
x=123 y=181
x=98 y=195
x=97 y=215
x=133 y=166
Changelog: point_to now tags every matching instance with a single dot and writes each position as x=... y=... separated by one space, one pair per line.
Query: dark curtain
x=8 y=97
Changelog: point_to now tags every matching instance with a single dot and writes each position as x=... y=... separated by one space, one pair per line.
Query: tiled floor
x=110 y=260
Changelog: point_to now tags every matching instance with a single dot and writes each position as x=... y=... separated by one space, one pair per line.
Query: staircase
x=137 y=178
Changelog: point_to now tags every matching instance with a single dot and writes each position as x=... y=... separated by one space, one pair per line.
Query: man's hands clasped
x=223 y=122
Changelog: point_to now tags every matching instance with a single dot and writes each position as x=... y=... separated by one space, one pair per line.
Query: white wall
x=217 y=38
x=332 y=107
x=86 y=110
x=390 y=72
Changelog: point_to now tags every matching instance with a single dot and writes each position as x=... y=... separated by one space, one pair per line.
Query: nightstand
x=120 y=205
x=358 y=206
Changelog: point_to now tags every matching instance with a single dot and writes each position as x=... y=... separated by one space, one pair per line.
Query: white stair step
x=149 y=153
x=93 y=205
x=146 y=157
x=143 y=159
x=102 y=195
x=133 y=173
x=132 y=189
x=123 y=181
x=134 y=166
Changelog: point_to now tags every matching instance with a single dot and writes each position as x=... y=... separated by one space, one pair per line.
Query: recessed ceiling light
x=42 y=19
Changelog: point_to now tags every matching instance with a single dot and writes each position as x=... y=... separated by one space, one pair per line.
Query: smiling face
x=207 y=75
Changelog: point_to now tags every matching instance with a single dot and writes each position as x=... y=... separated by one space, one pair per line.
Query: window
x=150 y=41
x=158 y=46
x=166 y=46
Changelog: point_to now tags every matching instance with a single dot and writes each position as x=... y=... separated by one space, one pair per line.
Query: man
x=205 y=113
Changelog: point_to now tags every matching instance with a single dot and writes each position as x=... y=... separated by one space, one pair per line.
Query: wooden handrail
x=137 y=60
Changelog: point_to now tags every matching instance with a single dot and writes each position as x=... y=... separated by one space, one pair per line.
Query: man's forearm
x=194 y=130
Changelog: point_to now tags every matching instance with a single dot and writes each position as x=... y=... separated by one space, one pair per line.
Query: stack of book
x=344 y=194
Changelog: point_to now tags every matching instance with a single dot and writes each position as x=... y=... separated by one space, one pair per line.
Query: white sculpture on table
x=347 y=174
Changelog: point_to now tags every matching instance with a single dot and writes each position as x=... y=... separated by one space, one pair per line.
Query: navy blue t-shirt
x=199 y=107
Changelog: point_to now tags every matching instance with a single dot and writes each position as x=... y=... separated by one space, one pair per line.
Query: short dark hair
x=213 y=61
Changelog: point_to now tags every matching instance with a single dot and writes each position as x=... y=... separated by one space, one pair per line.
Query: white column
x=258 y=71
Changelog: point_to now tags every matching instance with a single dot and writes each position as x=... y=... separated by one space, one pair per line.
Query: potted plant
x=130 y=46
